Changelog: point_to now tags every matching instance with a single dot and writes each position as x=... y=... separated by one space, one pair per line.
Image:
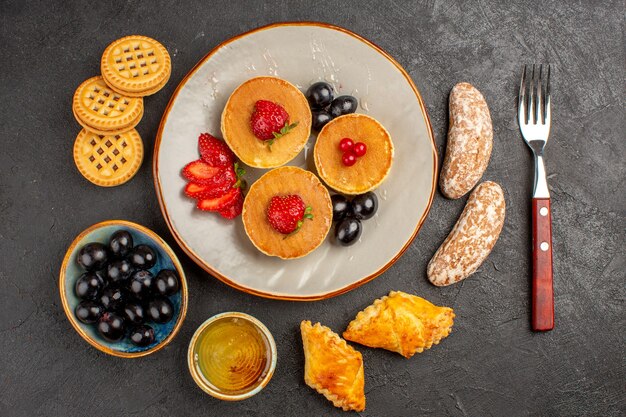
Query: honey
x=233 y=355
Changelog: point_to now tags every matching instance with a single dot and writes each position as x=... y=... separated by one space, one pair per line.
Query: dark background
x=491 y=365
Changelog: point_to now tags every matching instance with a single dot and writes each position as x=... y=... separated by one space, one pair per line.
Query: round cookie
x=238 y=111
x=108 y=160
x=286 y=181
x=107 y=132
x=370 y=170
x=136 y=66
x=104 y=111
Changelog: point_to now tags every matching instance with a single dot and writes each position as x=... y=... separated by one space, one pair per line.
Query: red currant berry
x=360 y=149
x=346 y=144
x=348 y=158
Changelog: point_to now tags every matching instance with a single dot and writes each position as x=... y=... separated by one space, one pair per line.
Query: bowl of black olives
x=123 y=289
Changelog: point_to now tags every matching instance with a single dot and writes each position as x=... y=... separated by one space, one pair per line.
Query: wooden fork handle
x=542 y=289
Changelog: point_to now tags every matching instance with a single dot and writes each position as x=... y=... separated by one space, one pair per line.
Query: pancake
x=370 y=170
x=286 y=181
x=238 y=134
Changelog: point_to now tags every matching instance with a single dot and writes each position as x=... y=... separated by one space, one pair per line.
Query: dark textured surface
x=491 y=365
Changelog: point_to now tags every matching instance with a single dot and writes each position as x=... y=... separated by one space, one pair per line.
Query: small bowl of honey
x=232 y=356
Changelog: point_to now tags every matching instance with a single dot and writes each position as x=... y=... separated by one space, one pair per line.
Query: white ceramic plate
x=301 y=53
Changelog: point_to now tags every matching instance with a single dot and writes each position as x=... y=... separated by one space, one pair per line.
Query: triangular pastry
x=332 y=367
x=402 y=323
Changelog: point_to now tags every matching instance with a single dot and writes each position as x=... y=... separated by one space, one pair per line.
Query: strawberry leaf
x=240 y=172
x=282 y=132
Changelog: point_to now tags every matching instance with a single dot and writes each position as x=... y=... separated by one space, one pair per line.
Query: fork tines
x=538 y=100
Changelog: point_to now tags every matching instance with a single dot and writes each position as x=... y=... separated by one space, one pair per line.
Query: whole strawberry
x=270 y=121
x=286 y=214
x=214 y=151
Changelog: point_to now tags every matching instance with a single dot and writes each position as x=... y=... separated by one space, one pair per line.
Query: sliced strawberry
x=234 y=209
x=225 y=179
x=215 y=187
x=219 y=203
x=200 y=172
x=203 y=191
x=215 y=152
x=194 y=190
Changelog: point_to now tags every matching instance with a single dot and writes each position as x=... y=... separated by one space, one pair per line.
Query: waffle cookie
x=103 y=111
x=108 y=160
x=136 y=66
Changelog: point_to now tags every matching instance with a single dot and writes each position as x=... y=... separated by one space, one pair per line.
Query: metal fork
x=534 y=122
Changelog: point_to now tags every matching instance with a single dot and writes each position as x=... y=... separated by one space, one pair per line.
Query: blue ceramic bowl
x=166 y=259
